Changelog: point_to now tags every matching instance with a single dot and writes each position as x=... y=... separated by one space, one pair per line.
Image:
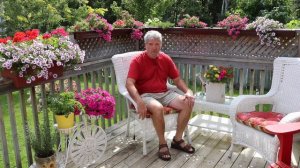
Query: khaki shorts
x=164 y=98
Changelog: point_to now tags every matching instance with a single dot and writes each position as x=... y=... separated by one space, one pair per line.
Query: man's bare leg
x=156 y=109
x=183 y=117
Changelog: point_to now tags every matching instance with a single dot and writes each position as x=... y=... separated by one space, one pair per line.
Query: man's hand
x=141 y=110
x=190 y=98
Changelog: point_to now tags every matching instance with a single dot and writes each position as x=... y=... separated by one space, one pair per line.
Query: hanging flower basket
x=29 y=58
x=21 y=82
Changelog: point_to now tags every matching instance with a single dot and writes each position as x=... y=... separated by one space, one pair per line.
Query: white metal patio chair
x=284 y=96
x=121 y=65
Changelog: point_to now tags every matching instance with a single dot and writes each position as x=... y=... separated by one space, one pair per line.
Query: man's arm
x=133 y=92
x=188 y=92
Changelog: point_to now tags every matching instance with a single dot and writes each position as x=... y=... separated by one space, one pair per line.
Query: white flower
x=264 y=28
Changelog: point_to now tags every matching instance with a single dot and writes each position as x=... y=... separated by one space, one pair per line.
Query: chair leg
x=144 y=144
x=187 y=135
x=128 y=126
x=231 y=150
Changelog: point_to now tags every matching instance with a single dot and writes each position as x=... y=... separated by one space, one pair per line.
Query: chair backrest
x=286 y=85
x=121 y=65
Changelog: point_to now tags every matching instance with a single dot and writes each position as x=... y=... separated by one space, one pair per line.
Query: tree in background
x=281 y=10
x=45 y=15
x=20 y=15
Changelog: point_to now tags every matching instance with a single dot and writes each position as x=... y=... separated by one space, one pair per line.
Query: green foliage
x=117 y=10
x=63 y=103
x=280 y=14
x=293 y=24
x=20 y=15
x=280 y=10
x=155 y=22
x=44 y=141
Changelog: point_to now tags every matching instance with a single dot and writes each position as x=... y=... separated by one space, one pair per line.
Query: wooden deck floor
x=212 y=149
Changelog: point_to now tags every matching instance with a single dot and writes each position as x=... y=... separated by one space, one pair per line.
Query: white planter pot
x=215 y=92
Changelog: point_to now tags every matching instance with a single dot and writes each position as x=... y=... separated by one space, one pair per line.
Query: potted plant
x=191 y=22
x=29 y=58
x=64 y=106
x=127 y=21
x=264 y=28
x=97 y=102
x=43 y=145
x=216 y=77
x=94 y=22
x=234 y=24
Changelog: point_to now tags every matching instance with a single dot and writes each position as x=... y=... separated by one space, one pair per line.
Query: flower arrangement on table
x=128 y=21
x=265 y=30
x=191 y=22
x=218 y=74
x=97 y=102
x=96 y=23
x=234 y=24
x=31 y=56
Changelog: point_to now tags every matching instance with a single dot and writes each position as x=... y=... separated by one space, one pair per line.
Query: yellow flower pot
x=64 y=122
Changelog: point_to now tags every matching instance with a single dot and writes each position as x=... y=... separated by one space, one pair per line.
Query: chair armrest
x=127 y=96
x=247 y=103
x=291 y=118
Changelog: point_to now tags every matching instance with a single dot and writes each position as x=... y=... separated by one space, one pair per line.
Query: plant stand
x=86 y=145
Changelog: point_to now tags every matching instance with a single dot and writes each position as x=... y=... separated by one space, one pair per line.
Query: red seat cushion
x=259 y=120
x=167 y=110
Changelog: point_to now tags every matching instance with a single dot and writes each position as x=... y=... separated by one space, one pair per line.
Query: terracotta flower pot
x=64 y=122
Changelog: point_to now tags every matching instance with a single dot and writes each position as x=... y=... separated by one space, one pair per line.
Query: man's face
x=153 y=47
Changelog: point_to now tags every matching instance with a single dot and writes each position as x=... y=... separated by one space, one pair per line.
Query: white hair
x=151 y=35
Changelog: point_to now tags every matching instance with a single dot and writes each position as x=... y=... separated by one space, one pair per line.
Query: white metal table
x=211 y=121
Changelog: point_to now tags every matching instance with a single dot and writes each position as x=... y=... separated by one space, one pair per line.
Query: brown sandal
x=187 y=148
x=165 y=155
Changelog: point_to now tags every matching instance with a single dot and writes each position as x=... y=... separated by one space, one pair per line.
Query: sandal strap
x=162 y=146
x=187 y=147
x=178 y=142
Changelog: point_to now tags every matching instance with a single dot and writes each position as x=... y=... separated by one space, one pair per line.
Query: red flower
x=32 y=34
x=59 y=32
x=46 y=35
x=4 y=40
x=19 y=37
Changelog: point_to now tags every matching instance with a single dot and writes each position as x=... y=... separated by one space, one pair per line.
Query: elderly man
x=147 y=85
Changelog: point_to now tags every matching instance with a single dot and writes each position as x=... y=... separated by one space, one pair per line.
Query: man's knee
x=156 y=109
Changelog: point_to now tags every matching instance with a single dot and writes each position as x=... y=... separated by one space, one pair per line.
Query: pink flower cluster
x=97 y=102
x=234 y=24
x=119 y=24
x=136 y=34
x=100 y=25
x=191 y=22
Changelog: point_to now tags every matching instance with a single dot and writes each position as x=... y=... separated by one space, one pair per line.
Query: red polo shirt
x=151 y=74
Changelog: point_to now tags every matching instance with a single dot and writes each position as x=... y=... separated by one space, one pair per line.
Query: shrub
x=293 y=24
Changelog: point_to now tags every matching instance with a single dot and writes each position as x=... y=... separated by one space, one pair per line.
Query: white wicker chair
x=121 y=65
x=284 y=95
